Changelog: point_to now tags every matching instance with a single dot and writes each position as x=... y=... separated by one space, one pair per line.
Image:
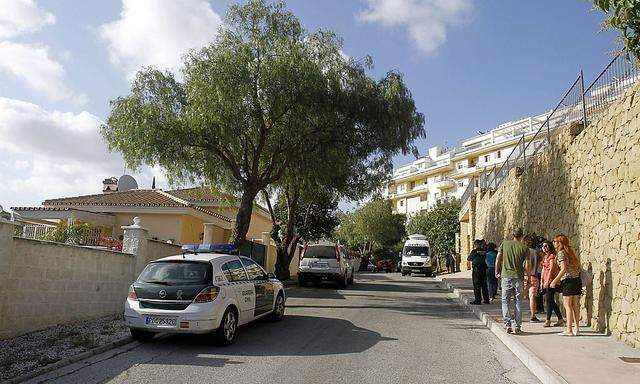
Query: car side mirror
x=271 y=275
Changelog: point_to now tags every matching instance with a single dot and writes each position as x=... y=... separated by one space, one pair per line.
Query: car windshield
x=176 y=273
x=416 y=250
x=320 y=252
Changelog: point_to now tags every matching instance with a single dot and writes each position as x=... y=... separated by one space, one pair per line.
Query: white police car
x=208 y=289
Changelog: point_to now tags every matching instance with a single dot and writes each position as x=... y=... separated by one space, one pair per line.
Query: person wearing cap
x=511 y=264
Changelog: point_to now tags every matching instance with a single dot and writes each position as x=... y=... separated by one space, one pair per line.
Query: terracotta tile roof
x=40 y=208
x=201 y=194
x=133 y=198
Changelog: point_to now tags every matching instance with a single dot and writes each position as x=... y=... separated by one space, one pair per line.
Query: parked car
x=325 y=261
x=204 y=291
x=385 y=266
x=371 y=267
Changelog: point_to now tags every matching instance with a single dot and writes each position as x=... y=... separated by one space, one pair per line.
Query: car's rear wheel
x=226 y=333
x=139 y=335
x=278 y=308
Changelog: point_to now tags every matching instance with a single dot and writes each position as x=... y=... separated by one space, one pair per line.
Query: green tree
x=372 y=228
x=623 y=15
x=440 y=225
x=253 y=102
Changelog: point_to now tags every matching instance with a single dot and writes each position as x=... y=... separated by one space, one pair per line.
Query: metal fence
x=33 y=231
x=577 y=104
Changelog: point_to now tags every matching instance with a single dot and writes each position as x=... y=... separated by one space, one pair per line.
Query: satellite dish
x=127 y=183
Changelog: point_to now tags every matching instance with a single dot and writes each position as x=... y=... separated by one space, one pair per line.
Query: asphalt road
x=384 y=329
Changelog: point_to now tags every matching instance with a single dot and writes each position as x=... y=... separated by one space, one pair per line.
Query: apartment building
x=445 y=173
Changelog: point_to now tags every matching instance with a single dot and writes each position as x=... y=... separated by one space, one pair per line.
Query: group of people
x=533 y=265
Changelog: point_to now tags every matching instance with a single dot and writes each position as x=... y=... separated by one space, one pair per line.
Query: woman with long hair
x=550 y=270
x=571 y=286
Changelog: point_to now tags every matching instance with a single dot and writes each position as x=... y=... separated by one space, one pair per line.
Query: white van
x=416 y=256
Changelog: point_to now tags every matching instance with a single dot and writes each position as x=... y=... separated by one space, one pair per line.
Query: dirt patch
x=25 y=353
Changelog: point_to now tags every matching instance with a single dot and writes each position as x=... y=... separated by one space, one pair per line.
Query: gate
x=255 y=251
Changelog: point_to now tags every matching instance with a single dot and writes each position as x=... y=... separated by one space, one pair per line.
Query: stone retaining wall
x=587 y=186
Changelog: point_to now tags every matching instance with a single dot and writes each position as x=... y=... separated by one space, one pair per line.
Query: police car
x=208 y=289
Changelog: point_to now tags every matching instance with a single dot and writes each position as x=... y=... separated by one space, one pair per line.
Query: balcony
x=444 y=184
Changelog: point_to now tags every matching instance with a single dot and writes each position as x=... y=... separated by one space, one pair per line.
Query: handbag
x=585 y=278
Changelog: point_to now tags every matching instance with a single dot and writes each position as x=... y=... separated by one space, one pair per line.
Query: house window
x=498 y=155
x=423 y=197
x=412 y=185
x=460 y=166
x=460 y=184
x=476 y=184
x=486 y=158
x=402 y=203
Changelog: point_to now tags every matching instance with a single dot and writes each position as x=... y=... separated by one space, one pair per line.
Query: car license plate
x=415 y=270
x=321 y=265
x=161 y=321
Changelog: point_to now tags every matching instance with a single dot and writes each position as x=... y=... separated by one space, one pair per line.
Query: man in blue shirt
x=492 y=281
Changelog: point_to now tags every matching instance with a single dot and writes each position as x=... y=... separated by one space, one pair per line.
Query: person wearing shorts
x=570 y=283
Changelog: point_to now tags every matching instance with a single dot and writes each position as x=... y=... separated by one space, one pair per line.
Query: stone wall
x=587 y=186
x=44 y=283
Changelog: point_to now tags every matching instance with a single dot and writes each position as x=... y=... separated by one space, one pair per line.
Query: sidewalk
x=589 y=358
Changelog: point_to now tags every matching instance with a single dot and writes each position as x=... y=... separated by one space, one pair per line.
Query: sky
x=470 y=65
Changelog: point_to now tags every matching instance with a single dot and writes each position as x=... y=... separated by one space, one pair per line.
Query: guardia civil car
x=208 y=289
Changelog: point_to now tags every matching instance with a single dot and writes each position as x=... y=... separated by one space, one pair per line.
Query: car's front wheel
x=140 y=335
x=278 y=308
x=226 y=333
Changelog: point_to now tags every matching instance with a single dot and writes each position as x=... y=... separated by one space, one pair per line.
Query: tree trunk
x=286 y=248
x=243 y=218
x=285 y=252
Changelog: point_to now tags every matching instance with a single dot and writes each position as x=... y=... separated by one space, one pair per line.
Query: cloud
x=34 y=65
x=158 y=32
x=22 y=16
x=426 y=21
x=47 y=154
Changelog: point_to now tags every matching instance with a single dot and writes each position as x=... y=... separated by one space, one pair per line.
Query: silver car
x=201 y=292
x=325 y=261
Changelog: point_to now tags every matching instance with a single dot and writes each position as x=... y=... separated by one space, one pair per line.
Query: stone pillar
x=208 y=233
x=7 y=229
x=135 y=242
x=270 y=252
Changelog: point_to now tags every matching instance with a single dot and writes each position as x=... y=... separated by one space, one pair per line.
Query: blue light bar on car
x=211 y=248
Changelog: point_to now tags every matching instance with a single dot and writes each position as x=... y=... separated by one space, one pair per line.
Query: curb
x=69 y=360
x=539 y=368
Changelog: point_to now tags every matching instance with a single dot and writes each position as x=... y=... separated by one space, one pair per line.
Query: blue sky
x=470 y=64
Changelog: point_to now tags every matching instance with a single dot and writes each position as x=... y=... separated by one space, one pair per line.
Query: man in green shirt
x=511 y=263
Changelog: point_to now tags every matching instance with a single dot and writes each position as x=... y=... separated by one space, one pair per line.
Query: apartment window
x=498 y=155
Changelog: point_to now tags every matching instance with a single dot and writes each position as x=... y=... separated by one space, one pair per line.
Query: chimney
x=110 y=185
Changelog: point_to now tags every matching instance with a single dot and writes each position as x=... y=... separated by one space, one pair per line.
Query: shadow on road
x=295 y=336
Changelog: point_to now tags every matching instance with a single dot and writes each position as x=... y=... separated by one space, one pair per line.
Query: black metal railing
x=577 y=104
